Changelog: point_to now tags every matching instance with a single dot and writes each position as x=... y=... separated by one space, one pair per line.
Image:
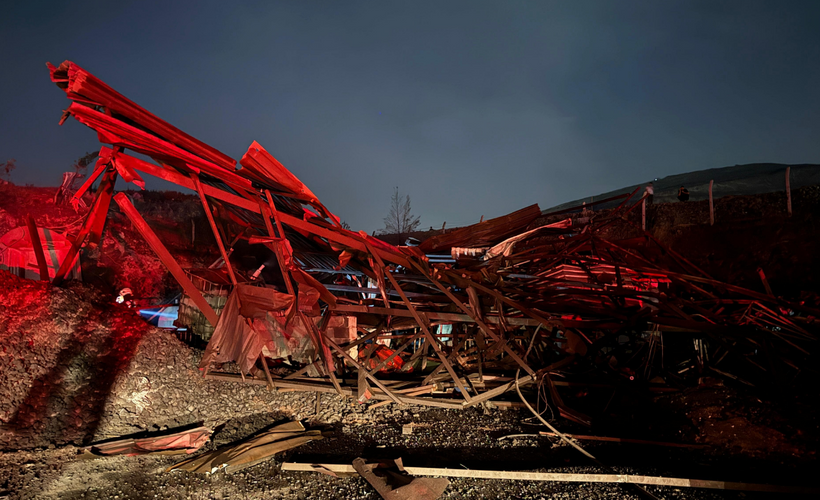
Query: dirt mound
x=74 y=369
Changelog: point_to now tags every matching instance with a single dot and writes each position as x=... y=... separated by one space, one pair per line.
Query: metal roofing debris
x=572 y=308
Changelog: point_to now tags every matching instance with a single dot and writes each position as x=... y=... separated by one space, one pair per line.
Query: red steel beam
x=219 y=194
x=38 y=247
x=165 y=256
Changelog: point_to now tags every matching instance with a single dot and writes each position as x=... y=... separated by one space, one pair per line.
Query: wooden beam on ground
x=346 y=391
x=625 y=440
x=37 y=245
x=165 y=256
x=485 y=396
x=566 y=478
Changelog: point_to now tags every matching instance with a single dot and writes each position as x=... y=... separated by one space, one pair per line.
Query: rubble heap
x=577 y=318
x=75 y=369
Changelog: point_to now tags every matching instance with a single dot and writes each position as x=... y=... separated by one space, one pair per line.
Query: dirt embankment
x=75 y=370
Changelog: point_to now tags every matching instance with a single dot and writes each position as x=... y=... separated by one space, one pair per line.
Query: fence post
x=788 y=191
x=711 y=205
x=643 y=214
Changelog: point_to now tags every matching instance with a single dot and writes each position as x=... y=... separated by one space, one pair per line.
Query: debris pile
x=579 y=319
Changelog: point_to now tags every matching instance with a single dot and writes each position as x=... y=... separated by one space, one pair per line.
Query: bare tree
x=400 y=221
x=8 y=166
x=84 y=161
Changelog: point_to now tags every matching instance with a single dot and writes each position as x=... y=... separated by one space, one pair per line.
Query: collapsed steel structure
x=560 y=308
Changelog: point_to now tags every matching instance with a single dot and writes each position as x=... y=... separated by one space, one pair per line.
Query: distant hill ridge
x=754 y=178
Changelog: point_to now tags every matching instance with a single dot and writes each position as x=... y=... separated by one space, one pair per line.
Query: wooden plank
x=165 y=256
x=567 y=478
x=624 y=440
x=37 y=245
x=346 y=391
x=212 y=222
x=485 y=396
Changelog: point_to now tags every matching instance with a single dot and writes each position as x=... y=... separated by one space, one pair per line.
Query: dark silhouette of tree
x=400 y=221
x=84 y=161
x=8 y=166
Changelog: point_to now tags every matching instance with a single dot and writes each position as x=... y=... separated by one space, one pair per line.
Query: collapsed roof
x=562 y=302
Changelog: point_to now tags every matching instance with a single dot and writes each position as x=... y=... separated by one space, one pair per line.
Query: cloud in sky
x=471 y=108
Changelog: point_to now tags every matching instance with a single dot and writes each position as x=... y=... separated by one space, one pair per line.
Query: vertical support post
x=165 y=256
x=271 y=385
x=214 y=229
x=107 y=191
x=765 y=281
x=38 y=247
x=99 y=209
x=279 y=256
x=711 y=205
x=788 y=191
x=643 y=214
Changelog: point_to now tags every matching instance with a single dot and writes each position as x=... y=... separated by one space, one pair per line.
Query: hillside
x=738 y=180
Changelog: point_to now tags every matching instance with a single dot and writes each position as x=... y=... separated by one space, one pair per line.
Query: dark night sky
x=472 y=108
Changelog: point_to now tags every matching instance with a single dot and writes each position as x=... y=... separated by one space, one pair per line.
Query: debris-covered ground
x=660 y=366
x=75 y=370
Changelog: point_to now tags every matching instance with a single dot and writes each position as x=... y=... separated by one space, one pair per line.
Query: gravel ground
x=439 y=438
x=60 y=473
